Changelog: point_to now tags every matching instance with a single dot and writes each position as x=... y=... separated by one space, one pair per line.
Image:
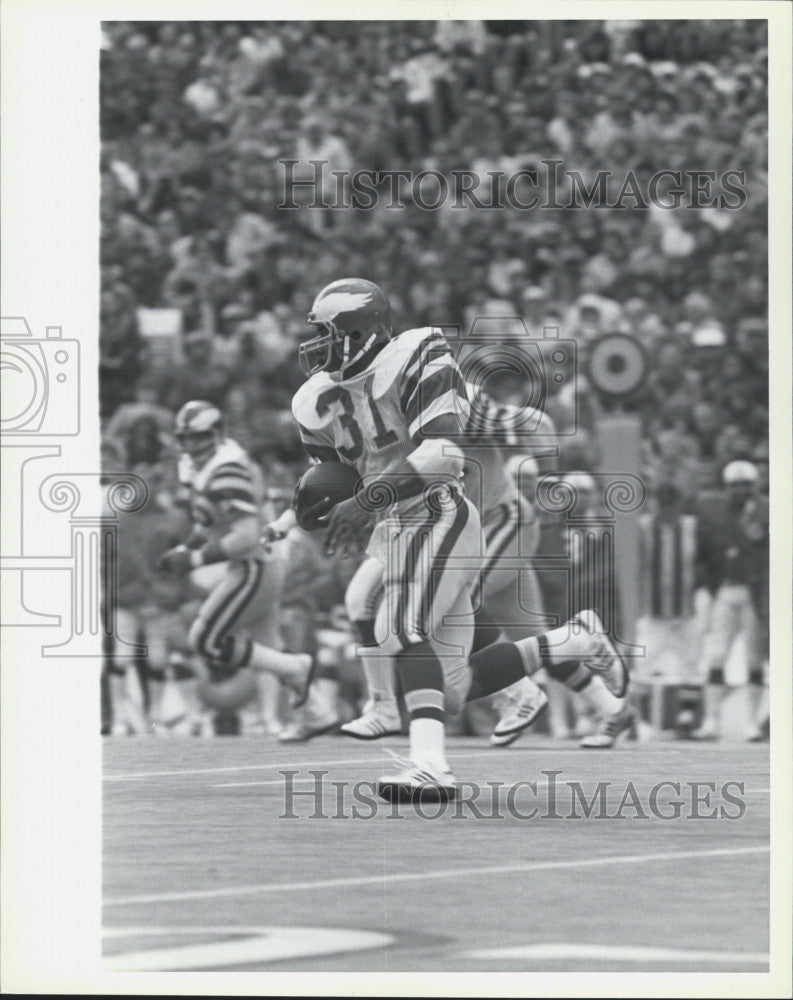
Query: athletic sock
x=428 y=743
x=495 y=668
x=421 y=677
x=378 y=670
x=560 y=645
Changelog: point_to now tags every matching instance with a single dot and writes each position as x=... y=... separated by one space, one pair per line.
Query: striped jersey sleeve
x=232 y=487
x=431 y=385
x=499 y=423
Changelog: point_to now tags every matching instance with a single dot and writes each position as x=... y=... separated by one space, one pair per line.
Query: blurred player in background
x=313 y=586
x=236 y=630
x=391 y=408
x=732 y=592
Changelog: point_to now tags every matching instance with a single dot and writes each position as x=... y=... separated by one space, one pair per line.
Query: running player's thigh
x=259 y=617
x=429 y=567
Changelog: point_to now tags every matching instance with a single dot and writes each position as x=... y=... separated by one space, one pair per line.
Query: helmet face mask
x=199 y=430
x=353 y=317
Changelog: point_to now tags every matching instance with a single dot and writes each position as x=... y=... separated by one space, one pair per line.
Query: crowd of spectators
x=196 y=115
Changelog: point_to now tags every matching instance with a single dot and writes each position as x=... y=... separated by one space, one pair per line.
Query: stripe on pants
x=230 y=605
x=497 y=542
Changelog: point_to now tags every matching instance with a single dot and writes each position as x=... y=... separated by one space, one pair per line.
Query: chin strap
x=361 y=359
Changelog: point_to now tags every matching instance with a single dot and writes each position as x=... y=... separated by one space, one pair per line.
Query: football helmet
x=199 y=430
x=354 y=320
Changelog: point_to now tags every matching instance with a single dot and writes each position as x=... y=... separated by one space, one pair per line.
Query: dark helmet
x=354 y=318
x=199 y=429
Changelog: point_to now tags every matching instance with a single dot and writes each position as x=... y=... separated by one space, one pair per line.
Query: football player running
x=501 y=593
x=237 y=625
x=391 y=408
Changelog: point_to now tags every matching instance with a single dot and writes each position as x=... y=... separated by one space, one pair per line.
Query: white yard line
x=247 y=944
x=610 y=953
x=423 y=876
x=287 y=765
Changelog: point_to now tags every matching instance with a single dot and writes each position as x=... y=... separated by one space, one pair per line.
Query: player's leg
x=128 y=705
x=212 y=635
x=425 y=621
x=522 y=703
x=723 y=628
x=380 y=716
x=260 y=619
x=758 y=677
x=509 y=602
x=581 y=640
x=320 y=714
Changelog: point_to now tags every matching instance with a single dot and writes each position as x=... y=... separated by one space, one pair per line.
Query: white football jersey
x=373 y=420
x=229 y=485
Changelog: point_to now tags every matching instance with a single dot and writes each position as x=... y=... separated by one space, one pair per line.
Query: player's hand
x=271 y=534
x=176 y=562
x=346 y=524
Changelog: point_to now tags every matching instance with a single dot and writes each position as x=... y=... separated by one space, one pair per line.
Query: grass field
x=201 y=871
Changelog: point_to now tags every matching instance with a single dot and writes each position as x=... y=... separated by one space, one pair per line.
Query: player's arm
x=232 y=492
x=434 y=406
x=318 y=448
x=435 y=461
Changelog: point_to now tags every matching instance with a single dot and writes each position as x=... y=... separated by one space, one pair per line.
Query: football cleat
x=305 y=729
x=379 y=719
x=709 y=730
x=611 y=730
x=418 y=783
x=299 y=683
x=603 y=659
x=522 y=711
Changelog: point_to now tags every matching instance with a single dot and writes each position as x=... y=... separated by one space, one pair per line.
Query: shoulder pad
x=304 y=401
x=391 y=362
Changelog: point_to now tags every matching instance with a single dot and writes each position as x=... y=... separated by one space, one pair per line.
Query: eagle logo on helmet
x=336 y=303
x=353 y=317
